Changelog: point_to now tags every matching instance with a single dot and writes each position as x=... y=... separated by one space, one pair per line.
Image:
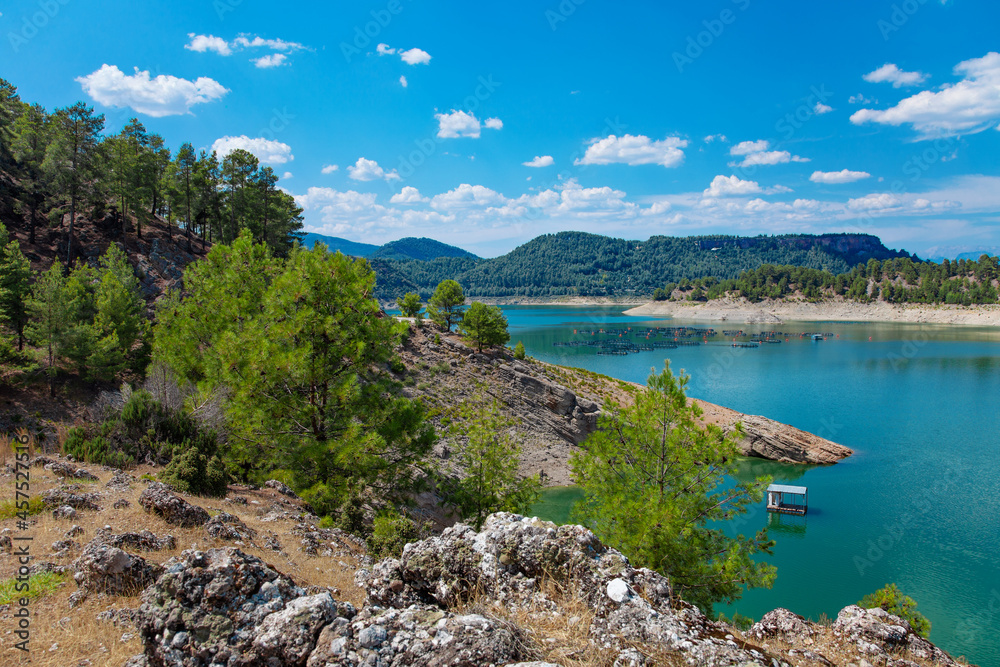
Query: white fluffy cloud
x=203 y=43
x=874 y=202
x=635 y=150
x=890 y=73
x=715 y=137
x=266 y=150
x=415 y=57
x=971 y=105
x=727 y=186
x=540 y=161
x=408 y=195
x=468 y=196
x=403 y=82
x=270 y=61
x=459 y=123
x=330 y=168
x=821 y=108
x=160 y=96
x=369 y=170
x=748 y=147
x=409 y=56
x=837 y=177
x=756 y=153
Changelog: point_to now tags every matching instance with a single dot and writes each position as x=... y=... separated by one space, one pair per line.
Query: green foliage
x=488 y=465
x=15 y=272
x=10 y=508
x=446 y=305
x=409 y=304
x=39 y=584
x=738 y=621
x=484 y=325
x=295 y=344
x=196 y=468
x=391 y=531
x=421 y=249
x=891 y=599
x=577 y=263
x=397 y=366
x=519 y=350
x=653 y=477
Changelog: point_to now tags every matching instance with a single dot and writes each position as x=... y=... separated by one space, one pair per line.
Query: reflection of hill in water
x=750 y=468
x=786 y=524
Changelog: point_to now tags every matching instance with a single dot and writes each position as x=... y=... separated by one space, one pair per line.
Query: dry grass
x=61 y=637
x=561 y=635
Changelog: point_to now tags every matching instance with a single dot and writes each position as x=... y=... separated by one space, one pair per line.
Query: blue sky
x=640 y=118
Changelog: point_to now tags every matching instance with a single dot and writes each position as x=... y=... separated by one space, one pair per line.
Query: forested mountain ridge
x=582 y=264
x=409 y=248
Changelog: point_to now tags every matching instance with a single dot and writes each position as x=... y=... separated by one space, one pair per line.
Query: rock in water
x=158 y=499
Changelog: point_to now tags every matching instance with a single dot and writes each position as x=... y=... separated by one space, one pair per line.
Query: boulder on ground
x=210 y=608
x=225 y=526
x=80 y=501
x=102 y=568
x=159 y=499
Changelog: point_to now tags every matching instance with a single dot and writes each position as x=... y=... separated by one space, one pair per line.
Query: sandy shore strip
x=775 y=312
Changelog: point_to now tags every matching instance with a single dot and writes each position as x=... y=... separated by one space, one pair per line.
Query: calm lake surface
x=919 y=502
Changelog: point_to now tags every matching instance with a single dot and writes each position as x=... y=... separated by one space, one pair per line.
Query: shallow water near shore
x=918 y=504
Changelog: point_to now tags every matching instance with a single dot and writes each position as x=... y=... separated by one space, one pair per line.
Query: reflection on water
x=786 y=524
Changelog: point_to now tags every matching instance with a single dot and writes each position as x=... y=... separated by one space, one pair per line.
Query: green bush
x=519 y=350
x=196 y=468
x=390 y=533
x=397 y=366
x=895 y=602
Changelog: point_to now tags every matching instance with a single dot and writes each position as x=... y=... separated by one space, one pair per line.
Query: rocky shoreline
x=776 y=312
x=555 y=408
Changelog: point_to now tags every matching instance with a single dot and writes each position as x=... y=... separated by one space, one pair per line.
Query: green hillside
x=577 y=263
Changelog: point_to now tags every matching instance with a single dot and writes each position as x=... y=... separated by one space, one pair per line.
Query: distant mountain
x=577 y=263
x=421 y=250
x=343 y=245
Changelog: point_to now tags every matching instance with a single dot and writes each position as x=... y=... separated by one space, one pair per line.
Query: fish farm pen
x=622 y=342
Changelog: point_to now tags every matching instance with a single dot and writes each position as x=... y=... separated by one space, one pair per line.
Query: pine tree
x=49 y=316
x=72 y=155
x=15 y=273
x=653 y=478
x=31 y=138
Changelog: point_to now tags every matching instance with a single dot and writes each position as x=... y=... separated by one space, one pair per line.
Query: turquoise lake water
x=918 y=504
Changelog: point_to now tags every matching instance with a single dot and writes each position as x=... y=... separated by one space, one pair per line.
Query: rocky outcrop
x=556 y=407
x=225 y=526
x=471 y=598
x=767 y=439
x=158 y=499
x=224 y=607
x=102 y=568
x=67 y=471
x=144 y=540
x=66 y=497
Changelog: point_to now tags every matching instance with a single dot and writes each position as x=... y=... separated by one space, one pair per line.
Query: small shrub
x=326 y=522
x=39 y=585
x=895 y=602
x=519 y=350
x=437 y=339
x=390 y=533
x=738 y=621
x=9 y=508
x=194 y=470
x=397 y=366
